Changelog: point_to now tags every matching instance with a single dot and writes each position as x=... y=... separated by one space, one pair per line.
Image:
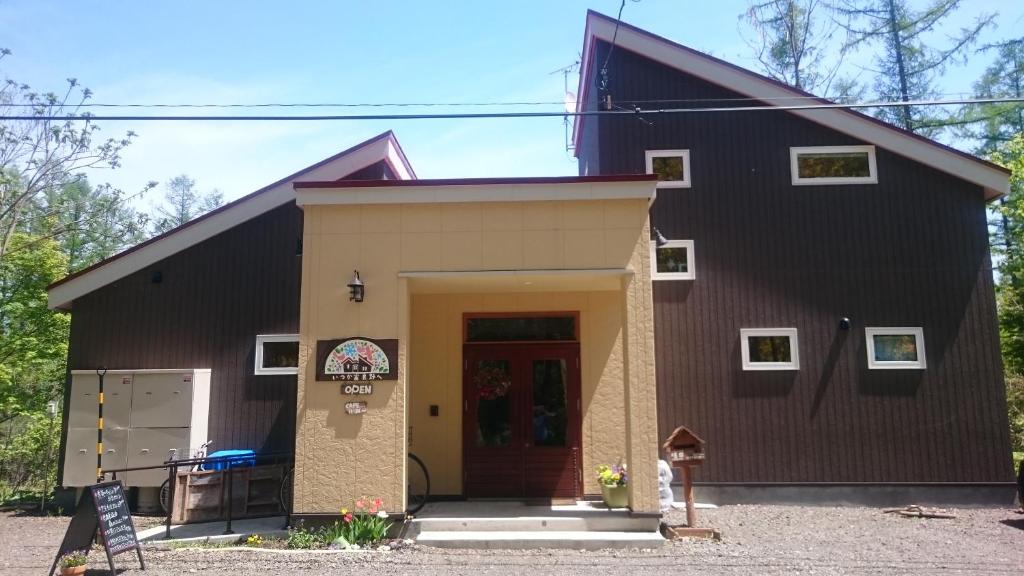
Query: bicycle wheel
x=419 y=484
x=165 y=495
x=285 y=494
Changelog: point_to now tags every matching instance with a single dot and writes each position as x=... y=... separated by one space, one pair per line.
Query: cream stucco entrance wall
x=429 y=251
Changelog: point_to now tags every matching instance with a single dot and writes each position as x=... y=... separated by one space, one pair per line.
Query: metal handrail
x=172 y=467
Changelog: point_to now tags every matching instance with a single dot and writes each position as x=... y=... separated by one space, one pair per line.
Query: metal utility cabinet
x=145 y=414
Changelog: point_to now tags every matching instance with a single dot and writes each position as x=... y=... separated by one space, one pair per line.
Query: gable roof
x=381 y=148
x=994 y=179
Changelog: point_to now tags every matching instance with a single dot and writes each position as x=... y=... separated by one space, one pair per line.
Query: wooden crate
x=202 y=496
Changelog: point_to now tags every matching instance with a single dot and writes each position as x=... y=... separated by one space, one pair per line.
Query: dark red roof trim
x=385 y=135
x=479 y=181
x=586 y=86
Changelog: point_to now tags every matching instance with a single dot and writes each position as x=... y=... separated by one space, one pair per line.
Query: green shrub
x=1015 y=409
x=73 y=559
x=299 y=538
x=29 y=447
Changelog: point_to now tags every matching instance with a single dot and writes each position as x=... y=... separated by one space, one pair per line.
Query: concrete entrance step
x=505 y=516
x=567 y=539
x=608 y=522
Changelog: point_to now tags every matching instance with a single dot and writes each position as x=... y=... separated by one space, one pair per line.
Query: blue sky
x=346 y=51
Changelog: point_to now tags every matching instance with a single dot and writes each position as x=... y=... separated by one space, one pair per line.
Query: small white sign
x=355 y=407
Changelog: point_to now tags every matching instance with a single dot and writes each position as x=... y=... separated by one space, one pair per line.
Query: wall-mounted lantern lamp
x=659 y=239
x=356 y=288
x=844 y=323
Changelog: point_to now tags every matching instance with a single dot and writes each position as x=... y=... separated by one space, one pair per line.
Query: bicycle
x=165 y=488
x=418 y=487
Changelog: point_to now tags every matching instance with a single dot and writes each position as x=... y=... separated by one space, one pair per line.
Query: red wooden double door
x=521 y=427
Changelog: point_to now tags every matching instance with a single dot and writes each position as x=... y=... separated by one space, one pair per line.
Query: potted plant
x=73 y=563
x=613 y=480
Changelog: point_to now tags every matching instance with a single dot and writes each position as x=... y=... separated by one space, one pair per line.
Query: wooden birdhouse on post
x=684 y=450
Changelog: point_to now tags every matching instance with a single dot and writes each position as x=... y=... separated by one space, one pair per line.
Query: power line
x=795 y=98
x=485 y=115
x=299 y=104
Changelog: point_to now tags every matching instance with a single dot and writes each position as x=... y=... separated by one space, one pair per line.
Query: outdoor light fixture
x=844 y=323
x=659 y=240
x=356 y=288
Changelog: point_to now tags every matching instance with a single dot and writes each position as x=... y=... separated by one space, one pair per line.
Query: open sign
x=356 y=389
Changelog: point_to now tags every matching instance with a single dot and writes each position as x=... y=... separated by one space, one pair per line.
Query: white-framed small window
x=815 y=165
x=277 y=354
x=769 y=349
x=672 y=167
x=672 y=260
x=895 y=348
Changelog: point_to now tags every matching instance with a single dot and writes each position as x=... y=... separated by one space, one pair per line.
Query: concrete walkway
x=213 y=532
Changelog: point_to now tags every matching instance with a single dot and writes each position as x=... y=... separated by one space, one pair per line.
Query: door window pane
x=492 y=381
x=521 y=329
x=550 y=417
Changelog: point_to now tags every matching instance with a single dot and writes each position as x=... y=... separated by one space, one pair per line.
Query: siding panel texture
x=214 y=298
x=909 y=251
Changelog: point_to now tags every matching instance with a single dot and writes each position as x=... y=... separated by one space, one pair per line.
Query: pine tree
x=793 y=45
x=909 y=55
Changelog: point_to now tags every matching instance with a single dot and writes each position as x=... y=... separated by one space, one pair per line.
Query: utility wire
x=481 y=115
x=420 y=104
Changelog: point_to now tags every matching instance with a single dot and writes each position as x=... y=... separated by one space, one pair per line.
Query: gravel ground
x=756 y=540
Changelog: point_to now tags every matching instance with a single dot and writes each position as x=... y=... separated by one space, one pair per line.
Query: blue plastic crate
x=238 y=459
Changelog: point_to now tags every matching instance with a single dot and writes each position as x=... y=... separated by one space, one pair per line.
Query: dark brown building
x=200 y=295
x=822 y=263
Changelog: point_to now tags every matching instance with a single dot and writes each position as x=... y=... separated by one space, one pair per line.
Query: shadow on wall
x=828 y=369
x=758 y=383
x=282 y=432
x=677 y=292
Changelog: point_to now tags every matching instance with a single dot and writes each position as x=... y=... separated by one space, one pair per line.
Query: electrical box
x=146 y=413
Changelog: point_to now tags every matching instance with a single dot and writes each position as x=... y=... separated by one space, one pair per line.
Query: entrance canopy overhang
x=497 y=281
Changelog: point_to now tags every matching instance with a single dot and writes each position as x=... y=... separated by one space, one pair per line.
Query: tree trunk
x=897 y=45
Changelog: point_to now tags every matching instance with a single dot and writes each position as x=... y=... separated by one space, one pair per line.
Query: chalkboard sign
x=103 y=508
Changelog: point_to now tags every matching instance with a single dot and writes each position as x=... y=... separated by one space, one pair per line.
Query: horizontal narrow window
x=769 y=349
x=833 y=165
x=521 y=329
x=673 y=260
x=895 y=348
x=672 y=167
x=277 y=354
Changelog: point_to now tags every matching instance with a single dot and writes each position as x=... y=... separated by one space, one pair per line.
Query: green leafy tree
x=182 y=202
x=33 y=338
x=910 y=54
x=793 y=44
x=89 y=223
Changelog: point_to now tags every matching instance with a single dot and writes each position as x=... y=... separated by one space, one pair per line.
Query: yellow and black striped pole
x=99 y=428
